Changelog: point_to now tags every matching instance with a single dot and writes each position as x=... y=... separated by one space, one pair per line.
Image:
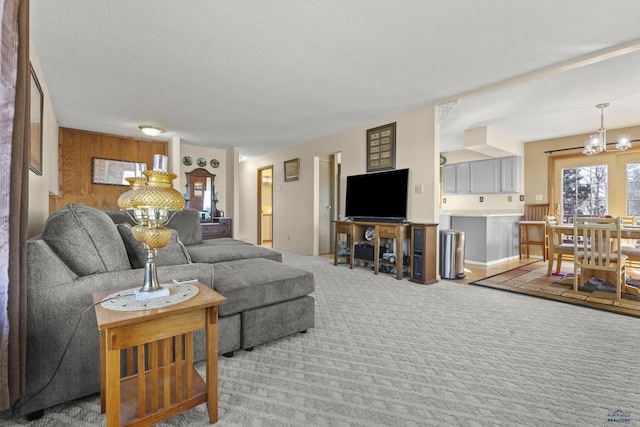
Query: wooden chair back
x=536 y=212
x=596 y=254
x=554 y=238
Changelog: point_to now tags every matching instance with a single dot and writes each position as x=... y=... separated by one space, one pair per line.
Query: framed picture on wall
x=37 y=101
x=291 y=168
x=381 y=148
x=114 y=172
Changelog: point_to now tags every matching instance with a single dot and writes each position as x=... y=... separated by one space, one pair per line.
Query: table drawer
x=387 y=230
x=343 y=228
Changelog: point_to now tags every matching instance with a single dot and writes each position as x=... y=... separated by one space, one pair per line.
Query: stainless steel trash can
x=452 y=254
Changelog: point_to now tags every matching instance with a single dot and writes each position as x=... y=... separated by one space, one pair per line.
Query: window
x=584 y=191
x=633 y=189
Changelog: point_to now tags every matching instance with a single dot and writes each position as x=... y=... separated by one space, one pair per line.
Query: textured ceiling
x=264 y=75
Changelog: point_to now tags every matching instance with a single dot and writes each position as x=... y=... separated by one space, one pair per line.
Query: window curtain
x=14 y=170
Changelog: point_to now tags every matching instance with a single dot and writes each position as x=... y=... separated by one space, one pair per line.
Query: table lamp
x=149 y=202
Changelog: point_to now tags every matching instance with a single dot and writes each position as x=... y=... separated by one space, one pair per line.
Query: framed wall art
x=381 y=148
x=114 y=172
x=291 y=168
x=36 y=107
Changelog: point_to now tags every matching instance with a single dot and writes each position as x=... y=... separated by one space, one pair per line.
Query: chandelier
x=597 y=142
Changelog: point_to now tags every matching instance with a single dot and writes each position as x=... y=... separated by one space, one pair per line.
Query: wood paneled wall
x=76 y=148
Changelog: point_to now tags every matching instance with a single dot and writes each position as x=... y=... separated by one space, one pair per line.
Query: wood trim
x=259 y=204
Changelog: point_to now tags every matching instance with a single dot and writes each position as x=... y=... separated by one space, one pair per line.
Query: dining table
x=631 y=232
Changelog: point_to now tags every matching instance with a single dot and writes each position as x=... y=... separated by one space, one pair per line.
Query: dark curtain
x=14 y=185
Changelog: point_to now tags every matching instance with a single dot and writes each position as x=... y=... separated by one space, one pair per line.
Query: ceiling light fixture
x=597 y=142
x=151 y=130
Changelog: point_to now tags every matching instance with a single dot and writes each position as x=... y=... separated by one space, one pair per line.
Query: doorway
x=265 y=206
x=328 y=201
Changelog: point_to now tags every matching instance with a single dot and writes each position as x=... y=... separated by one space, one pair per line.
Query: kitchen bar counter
x=490 y=237
x=482 y=213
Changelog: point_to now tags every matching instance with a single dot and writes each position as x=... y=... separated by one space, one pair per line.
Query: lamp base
x=144 y=295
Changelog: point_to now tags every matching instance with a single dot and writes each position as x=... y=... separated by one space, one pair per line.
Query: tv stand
x=355 y=231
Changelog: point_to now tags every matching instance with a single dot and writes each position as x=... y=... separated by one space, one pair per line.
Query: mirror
x=201 y=194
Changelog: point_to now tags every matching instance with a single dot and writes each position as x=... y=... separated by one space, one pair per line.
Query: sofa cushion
x=210 y=252
x=224 y=241
x=120 y=217
x=187 y=223
x=86 y=239
x=251 y=283
x=174 y=253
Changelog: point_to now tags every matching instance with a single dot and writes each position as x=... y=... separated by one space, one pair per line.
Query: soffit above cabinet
x=485 y=143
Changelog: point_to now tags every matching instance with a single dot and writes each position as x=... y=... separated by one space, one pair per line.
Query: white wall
x=294 y=203
x=40 y=186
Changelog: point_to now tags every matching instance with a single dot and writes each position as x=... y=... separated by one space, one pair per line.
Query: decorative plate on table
x=370 y=233
x=215 y=163
x=202 y=162
x=187 y=161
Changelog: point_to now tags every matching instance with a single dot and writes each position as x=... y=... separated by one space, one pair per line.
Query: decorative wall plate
x=202 y=162
x=215 y=163
x=187 y=161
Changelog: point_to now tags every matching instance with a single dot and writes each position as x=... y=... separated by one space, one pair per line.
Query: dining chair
x=599 y=235
x=631 y=247
x=560 y=249
x=533 y=229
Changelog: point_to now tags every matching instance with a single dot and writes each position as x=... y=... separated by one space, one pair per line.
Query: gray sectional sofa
x=83 y=250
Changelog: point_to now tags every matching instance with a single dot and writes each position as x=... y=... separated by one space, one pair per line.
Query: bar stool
x=533 y=230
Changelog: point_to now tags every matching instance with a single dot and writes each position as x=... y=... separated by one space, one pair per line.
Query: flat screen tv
x=379 y=197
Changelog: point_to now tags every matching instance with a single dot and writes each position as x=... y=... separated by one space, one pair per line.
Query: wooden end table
x=163 y=338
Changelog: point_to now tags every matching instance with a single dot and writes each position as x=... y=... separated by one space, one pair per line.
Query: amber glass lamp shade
x=157 y=197
x=125 y=201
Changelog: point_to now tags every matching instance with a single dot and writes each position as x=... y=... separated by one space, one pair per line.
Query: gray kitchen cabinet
x=500 y=175
x=485 y=175
x=510 y=174
x=462 y=178
x=449 y=179
x=456 y=179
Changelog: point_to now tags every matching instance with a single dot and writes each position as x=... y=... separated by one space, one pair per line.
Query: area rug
x=531 y=280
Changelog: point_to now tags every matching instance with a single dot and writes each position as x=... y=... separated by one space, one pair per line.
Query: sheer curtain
x=14 y=170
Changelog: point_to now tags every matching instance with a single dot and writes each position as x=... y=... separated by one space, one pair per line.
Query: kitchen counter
x=482 y=213
x=490 y=237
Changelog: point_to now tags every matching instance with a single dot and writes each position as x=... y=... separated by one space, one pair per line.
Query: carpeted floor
x=394 y=353
x=531 y=279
